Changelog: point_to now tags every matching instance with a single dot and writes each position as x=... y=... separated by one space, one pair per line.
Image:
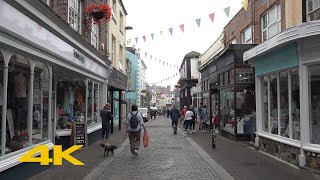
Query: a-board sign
x=79 y=134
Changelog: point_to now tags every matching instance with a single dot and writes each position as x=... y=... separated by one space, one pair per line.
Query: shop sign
x=283 y=58
x=79 y=134
x=78 y=56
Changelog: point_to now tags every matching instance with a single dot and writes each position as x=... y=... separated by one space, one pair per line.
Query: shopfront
x=287 y=84
x=234 y=88
x=117 y=85
x=46 y=83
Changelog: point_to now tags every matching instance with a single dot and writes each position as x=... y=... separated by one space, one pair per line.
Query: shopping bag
x=145 y=139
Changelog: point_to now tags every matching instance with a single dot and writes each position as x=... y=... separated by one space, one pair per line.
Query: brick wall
x=243 y=19
x=60 y=8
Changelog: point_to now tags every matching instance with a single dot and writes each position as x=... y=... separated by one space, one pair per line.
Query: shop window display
x=274 y=104
x=90 y=101
x=246 y=110
x=17 y=104
x=95 y=104
x=295 y=104
x=265 y=105
x=71 y=103
x=227 y=117
x=40 y=102
x=284 y=104
x=314 y=87
x=1 y=100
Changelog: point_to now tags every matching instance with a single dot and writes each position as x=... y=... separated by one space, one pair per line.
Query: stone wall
x=282 y=151
x=313 y=160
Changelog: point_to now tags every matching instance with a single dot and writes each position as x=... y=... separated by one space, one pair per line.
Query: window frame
x=113 y=49
x=277 y=22
x=243 y=37
x=114 y=10
x=95 y=32
x=313 y=9
x=121 y=23
x=76 y=26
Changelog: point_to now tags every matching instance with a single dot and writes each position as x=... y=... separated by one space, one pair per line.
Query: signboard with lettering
x=79 y=135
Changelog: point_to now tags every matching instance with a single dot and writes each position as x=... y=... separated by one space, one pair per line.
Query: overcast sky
x=152 y=16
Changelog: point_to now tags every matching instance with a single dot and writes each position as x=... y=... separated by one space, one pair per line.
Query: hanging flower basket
x=98 y=12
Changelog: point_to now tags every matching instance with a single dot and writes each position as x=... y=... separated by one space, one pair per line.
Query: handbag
x=145 y=139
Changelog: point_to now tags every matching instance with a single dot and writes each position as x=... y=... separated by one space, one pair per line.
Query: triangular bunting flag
x=182 y=27
x=227 y=11
x=161 y=33
x=136 y=40
x=170 y=30
x=245 y=4
x=211 y=17
x=198 y=21
x=152 y=35
x=144 y=38
x=145 y=55
x=150 y=56
x=138 y=49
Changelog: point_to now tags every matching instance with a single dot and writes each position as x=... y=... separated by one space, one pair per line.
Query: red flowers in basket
x=98 y=12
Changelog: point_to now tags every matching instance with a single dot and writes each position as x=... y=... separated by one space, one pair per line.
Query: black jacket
x=106 y=117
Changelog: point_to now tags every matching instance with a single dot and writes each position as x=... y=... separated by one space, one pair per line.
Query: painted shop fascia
x=287 y=85
x=32 y=37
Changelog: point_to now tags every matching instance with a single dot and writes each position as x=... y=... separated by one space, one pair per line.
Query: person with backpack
x=133 y=127
x=193 y=120
x=204 y=118
x=174 y=115
x=106 y=117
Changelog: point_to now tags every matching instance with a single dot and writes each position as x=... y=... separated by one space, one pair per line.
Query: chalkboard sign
x=79 y=134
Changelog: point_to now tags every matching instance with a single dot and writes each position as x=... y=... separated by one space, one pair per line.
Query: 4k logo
x=58 y=155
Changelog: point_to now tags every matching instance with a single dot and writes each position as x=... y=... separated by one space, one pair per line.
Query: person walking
x=133 y=127
x=183 y=114
x=193 y=120
x=199 y=114
x=106 y=117
x=168 y=113
x=204 y=118
x=174 y=115
x=188 y=119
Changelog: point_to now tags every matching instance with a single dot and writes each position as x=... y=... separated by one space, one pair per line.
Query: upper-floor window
x=246 y=36
x=95 y=35
x=114 y=8
x=121 y=55
x=74 y=14
x=271 y=23
x=113 y=49
x=121 y=22
x=313 y=10
x=233 y=41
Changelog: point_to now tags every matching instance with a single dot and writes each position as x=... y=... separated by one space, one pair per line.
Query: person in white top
x=188 y=118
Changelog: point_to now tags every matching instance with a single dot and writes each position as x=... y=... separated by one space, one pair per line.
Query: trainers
x=135 y=152
x=194 y=131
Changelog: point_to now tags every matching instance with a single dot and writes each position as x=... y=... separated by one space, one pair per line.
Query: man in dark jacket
x=174 y=115
x=106 y=117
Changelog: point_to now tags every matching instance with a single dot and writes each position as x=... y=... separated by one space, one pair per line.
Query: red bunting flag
x=182 y=27
x=211 y=17
x=145 y=55
x=144 y=38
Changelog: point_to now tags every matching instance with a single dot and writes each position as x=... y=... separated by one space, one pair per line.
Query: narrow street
x=168 y=156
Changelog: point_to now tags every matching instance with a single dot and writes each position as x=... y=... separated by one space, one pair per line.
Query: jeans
x=188 y=124
x=174 y=123
x=134 y=137
x=193 y=124
x=203 y=125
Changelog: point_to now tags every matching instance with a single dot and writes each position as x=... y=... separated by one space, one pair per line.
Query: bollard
x=213 y=136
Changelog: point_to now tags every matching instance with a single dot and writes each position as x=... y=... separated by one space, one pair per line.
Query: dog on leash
x=108 y=149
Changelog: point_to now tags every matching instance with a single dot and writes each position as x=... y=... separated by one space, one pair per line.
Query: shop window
x=284 y=104
x=246 y=36
x=265 y=105
x=313 y=10
x=271 y=23
x=245 y=111
x=121 y=22
x=277 y=99
x=314 y=86
x=74 y=14
x=71 y=102
x=295 y=104
x=274 y=103
x=95 y=104
x=90 y=103
x=227 y=117
x=17 y=136
x=226 y=78
x=40 y=103
x=1 y=99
